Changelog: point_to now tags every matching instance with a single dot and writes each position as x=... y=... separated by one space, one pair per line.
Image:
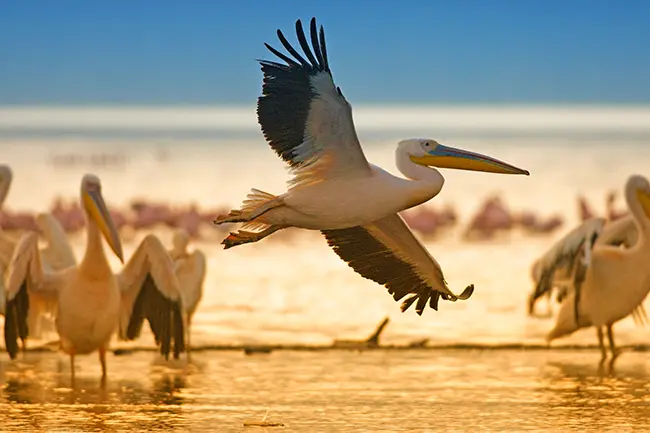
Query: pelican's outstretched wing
x=562 y=258
x=190 y=271
x=150 y=290
x=622 y=231
x=387 y=252
x=304 y=116
x=30 y=290
x=58 y=253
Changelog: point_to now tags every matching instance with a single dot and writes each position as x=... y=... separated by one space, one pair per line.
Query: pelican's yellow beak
x=644 y=199
x=448 y=157
x=99 y=213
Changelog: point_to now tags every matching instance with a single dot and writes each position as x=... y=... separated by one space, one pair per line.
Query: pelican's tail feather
x=256 y=203
x=255 y=199
x=566 y=322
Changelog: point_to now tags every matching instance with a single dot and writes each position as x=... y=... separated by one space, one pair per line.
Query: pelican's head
x=45 y=223
x=93 y=205
x=431 y=153
x=637 y=193
x=6 y=176
x=181 y=240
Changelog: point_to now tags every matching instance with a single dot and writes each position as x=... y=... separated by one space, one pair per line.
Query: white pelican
x=615 y=281
x=355 y=204
x=57 y=254
x=6 y=243
x=91 y=302
x=190 y=270
x=563 y=265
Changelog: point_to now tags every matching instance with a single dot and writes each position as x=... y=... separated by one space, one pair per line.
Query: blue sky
x=203 y=52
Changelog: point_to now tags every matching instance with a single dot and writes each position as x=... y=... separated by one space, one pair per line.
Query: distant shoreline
x=240 y=122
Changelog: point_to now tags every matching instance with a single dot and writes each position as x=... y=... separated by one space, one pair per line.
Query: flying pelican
x=615 y=281
x=92 y=302
x=308 y=122
x=190 y=271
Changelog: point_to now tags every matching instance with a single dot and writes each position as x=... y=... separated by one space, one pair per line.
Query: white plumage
x=88 y=298
x=616 y=280
x=334 y=189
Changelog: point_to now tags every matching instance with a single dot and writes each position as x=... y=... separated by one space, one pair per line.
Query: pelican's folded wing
x=387 y=252
x=150 y=290
x=563 y=255
x=58 y=254
x=622 y=231
x=30 y=290
x=7 y=246
x=190 y=272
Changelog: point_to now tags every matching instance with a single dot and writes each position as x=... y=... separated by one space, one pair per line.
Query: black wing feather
x=283 y=108
x=371 y=259
x=303 y=43
x=314 y=41
x=16 y=311
x=323 y=48
x=164 y=316
x=287 y=59
x=292 y=51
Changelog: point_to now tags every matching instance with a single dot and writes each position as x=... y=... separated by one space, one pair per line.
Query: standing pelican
x=57 y=254
x=6 y=244
x=355 y=204
x=190 y=270
x=563 y=266
x=92 y=302
x=616 y=280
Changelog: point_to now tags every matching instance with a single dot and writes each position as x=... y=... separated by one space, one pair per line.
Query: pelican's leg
x=187 y=339
x=244 y=237
x=239 y=216
x=102 y=360
x=612 y=346
x=72 y=365
x=601 y=343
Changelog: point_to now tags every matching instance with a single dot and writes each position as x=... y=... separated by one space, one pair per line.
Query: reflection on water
x=431 y=390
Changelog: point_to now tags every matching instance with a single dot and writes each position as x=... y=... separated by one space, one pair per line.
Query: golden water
x=294 y=290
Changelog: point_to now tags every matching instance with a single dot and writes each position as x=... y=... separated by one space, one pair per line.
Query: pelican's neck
x=94 y=260
x=425 y=183
x=641 y=221
x=417 y=172
x=179 y=253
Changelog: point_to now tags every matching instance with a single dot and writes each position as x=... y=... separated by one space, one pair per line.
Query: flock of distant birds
x=598 y=271
x=493 y=217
